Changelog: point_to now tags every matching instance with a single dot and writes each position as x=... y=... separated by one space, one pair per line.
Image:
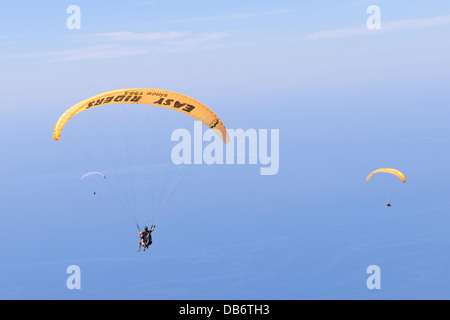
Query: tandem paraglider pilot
x=146 y=237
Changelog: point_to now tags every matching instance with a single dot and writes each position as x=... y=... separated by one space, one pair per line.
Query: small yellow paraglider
x=395 y=172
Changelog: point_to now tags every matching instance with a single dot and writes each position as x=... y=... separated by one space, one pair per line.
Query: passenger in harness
x=146 y=238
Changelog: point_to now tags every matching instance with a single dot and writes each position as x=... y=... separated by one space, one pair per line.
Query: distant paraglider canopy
x=95 y=173
x=395 y=172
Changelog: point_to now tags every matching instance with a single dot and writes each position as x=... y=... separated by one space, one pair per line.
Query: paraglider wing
x=93 y=173
x=395 y=172
x=155 y=97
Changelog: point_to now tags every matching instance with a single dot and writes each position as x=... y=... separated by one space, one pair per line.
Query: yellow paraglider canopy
x=155 y=97
x=388 y=170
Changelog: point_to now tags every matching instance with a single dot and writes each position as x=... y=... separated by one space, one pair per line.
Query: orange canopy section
x=388 y=170
x=154 y=97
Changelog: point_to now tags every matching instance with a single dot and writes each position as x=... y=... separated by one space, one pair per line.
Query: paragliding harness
x=146 y=239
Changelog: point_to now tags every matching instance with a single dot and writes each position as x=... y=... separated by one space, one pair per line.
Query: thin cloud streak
x=385 y=27
x=176 y=42
x=146 y=36
x=89 y=53
x=234 y=16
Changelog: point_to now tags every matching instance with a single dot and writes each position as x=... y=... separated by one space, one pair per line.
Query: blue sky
x=346 y=101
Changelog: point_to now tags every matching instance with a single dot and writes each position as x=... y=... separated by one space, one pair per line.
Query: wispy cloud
x=198 y=39
x=235 y=16
x=151 y=42
x=195 y=42
x=89 y=53
x=133 y=36
x=385 y=27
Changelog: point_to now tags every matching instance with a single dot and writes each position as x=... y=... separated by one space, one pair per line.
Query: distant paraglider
x=94 y=173
x=395 y=172
x=91 y=174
